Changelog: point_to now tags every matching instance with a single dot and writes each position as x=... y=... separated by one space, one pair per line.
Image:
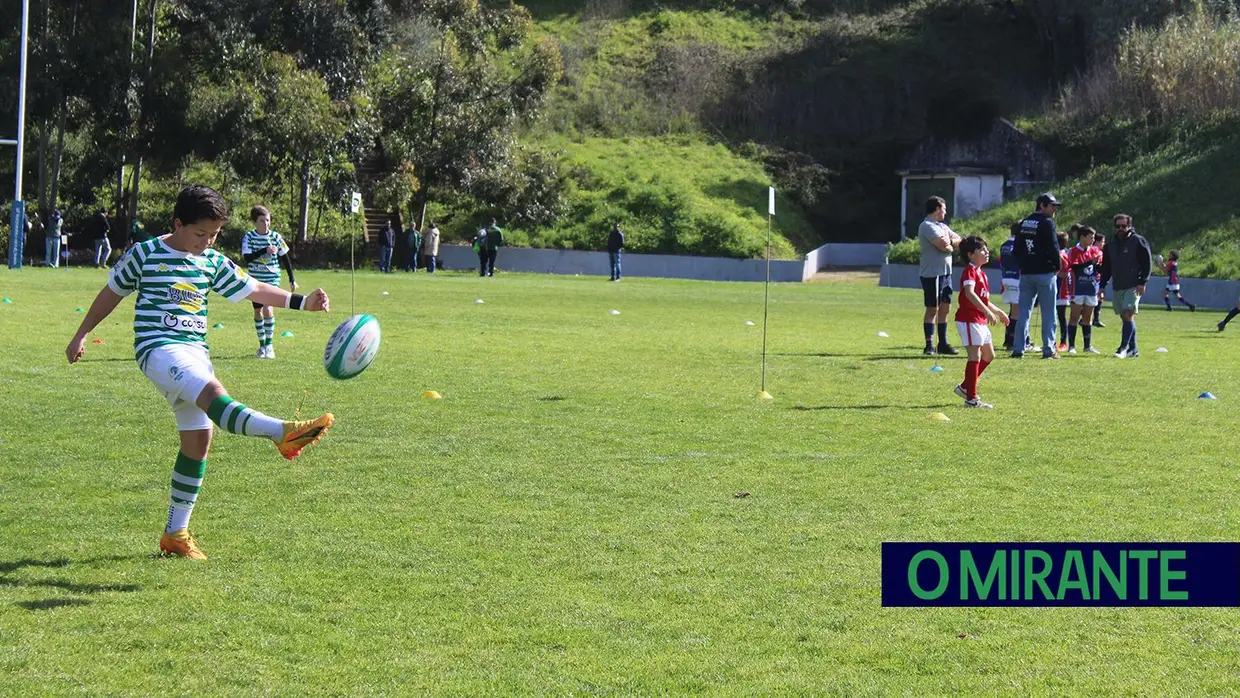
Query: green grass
x=675 y=195
x=564 y=520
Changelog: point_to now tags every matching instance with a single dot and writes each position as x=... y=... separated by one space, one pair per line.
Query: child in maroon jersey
x=1172 y=267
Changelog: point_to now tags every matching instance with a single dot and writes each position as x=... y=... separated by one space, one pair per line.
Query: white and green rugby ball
x=352 y=347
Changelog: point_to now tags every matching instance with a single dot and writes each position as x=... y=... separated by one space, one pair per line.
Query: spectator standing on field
x=937 y=242
x=100 y=227
x=615 y=243
x=430 y=248
x=1127 y=265
x=387 y=242
x=414 y=239
x=52 y=232
x=1037 y=248
x=493 y=240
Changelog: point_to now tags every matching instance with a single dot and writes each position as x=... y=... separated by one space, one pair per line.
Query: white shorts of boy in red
x=973 y=334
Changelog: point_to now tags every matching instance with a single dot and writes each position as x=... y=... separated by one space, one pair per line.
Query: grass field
x=564 y=520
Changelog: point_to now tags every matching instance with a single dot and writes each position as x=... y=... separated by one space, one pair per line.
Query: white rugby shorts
x=180 y=372
x=973 y=334
x=1011 y=291
x=1091 y=301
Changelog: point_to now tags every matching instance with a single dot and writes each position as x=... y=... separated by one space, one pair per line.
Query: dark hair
x=1076 y=228
x=1175 y=254
x=971 y=244
x=256 y=211
x=1063 y=237
x=198 y=203
x=933 y=204
x=1015 y=228
x=1084 y=230
x=1125 y=216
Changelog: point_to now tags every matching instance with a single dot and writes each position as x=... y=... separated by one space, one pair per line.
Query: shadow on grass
x=552 y=398
x=911 y=357
x=66 y=585
x=803 y=408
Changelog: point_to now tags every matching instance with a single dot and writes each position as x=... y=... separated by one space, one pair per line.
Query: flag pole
x=766 y=294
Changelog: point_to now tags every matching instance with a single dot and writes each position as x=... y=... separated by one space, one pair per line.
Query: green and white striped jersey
x=266 y=268
x=172 y=292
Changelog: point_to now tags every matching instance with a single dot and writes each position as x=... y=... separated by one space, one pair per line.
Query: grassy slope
x=624 y=174
x=1178 y=195
x=563 y=521
x=615 y=54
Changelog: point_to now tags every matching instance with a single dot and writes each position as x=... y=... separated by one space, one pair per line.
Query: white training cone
x=748 y=323
x=613 y=312
x=478 y=301
x=384 y=293
x=883 y=334
x=1161 y=350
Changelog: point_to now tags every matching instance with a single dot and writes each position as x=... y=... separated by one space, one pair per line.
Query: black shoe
x=948 y=350
x=1133 y=354
x=929 y=350
x=1192 y=308
x=1007 y=346
x=1221 y=326
x=1017 y=355
x=1168 y=307
x=1052 y=355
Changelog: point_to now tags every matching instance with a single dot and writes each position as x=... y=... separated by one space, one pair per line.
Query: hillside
x=1178 y=196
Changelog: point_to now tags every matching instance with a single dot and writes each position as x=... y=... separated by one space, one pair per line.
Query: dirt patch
x=839 y=275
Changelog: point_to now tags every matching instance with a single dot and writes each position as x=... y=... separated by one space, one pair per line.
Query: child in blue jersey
x=1011 y=282
x=171 y=276
x=265 y=252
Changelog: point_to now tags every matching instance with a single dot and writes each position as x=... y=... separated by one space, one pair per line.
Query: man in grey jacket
x=1126 y=265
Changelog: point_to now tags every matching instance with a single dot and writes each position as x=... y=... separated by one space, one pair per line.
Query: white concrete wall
x=976 y=193
x=845 y=254
x=539 y=261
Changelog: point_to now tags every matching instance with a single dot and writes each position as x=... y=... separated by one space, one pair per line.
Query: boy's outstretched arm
x=104 y=304
x=279 y=298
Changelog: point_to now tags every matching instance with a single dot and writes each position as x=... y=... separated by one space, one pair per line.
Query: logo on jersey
x=161 y=267
x=187 y=296
x=186 y=324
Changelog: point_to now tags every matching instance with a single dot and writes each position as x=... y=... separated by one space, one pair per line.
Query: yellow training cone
x=765 y=396
x=431 y=395
x=939 y=417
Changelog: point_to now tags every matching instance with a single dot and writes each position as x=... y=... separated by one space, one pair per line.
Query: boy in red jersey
x=1172 y=268
x=973 y=318
x=1085 y=259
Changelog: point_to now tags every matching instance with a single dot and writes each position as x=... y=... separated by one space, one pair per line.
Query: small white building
x=971 y=176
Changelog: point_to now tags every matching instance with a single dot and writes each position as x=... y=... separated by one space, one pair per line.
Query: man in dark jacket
x=490 y=246
x=387 y=243
x=1037 y=251
x=413 y=237
x=100 y=227
x=615 y=243
x=1126 y=265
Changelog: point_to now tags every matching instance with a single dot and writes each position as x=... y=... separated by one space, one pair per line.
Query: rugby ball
x=352 y=347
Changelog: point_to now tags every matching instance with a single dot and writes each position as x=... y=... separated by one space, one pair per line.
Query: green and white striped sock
x=237 y=418
x=260 y=330
x=186 y=482
x=271 y=329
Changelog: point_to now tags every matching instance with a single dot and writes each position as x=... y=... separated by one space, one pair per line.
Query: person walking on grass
x=1084 y=259
x=171 y=276
x=1010 y=291
x=1234 y=312
x=937 y=242
x=52 y=232
x=974 y=317
x=615 y=243
x=1172 y=267
x=1037 y=248
x=387 y=243
x=1127 y=265
x=493 y=240
x=264 y=252
x=430 y=248
x=413 y=238
x=99 y=229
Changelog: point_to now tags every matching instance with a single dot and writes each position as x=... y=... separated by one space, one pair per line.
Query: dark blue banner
x=1061 y=574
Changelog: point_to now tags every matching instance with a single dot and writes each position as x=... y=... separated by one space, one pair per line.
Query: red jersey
x=968 y=311
x=1065 y=277
x=1173 y=272
x=1085 y=262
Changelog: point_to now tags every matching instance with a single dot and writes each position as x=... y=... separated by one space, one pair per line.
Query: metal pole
x=17 y=232
x=766 y=299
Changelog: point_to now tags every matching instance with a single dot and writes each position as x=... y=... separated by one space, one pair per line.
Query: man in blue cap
x=1037 y=250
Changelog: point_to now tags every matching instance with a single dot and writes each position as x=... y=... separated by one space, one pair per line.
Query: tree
x=460 y=79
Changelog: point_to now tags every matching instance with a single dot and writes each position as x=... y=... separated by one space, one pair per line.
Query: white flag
x=771 y=204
